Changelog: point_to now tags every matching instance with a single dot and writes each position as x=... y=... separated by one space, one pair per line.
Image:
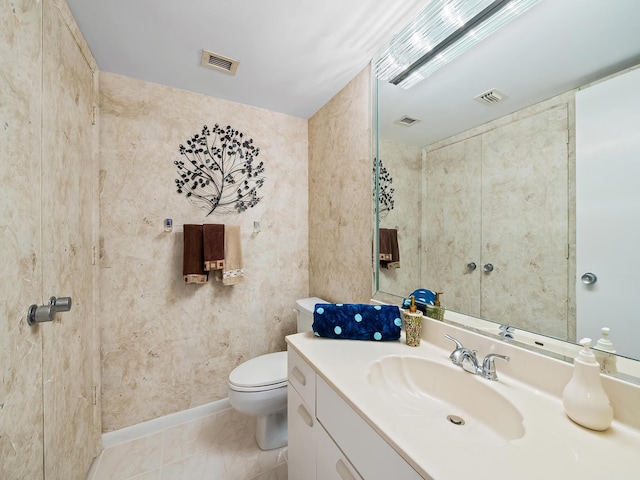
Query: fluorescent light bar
x=444 y=30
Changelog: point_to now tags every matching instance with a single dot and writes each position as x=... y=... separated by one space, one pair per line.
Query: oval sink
x=427 y=392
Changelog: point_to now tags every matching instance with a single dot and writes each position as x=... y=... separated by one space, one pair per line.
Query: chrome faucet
x=468 y=360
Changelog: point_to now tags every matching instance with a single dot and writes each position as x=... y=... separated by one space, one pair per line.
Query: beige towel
x=232 y=272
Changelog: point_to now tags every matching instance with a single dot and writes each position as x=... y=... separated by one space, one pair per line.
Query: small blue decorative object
x=423 y=298
x=357 y=321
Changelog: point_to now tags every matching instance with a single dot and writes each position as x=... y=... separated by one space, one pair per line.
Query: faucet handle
x=458 y=344
x=489 y=366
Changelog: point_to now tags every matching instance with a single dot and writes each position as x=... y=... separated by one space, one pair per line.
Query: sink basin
x=424 y=393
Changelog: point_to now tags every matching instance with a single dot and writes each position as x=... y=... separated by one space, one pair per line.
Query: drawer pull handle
x=343 y=471
x=306 y=416
x=299 y=375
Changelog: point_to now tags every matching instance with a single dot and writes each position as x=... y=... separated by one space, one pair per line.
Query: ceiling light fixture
x=444 y=30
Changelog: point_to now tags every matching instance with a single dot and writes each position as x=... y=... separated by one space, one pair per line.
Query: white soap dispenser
x=585 y=401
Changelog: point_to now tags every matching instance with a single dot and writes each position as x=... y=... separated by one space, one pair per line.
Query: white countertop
x=552 y=447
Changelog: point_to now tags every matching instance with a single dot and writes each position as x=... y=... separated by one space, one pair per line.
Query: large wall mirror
x=483 y=190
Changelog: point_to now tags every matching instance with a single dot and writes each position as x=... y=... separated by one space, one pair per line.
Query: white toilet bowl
x=259 y=387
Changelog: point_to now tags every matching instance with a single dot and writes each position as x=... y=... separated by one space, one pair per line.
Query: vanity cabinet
x=332 y=464
x=301 y=419
x=500 y=199
x=328 y=440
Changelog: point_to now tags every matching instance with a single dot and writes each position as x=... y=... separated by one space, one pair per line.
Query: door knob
x=487 y=267
x=471 y=266
x=47 y=313
x=589 y=278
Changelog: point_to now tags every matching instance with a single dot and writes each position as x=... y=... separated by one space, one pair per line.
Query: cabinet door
x=68 y=203
x=452 y=222
x=302 y=444
x=525 y=222
x=332 y=463
x=367 y=451
x=21 y=430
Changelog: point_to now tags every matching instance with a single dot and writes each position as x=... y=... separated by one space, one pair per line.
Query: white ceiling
x=294 y=55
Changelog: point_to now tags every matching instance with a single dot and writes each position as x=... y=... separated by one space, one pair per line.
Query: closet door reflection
x=501 y=199
x=452 y=224
x=525 y=223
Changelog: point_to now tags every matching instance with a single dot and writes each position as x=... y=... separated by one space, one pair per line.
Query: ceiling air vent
x=407 y=121
x=219 y=62
x=490 y=97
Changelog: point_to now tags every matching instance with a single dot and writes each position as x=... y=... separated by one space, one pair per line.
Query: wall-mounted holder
x=47 y=313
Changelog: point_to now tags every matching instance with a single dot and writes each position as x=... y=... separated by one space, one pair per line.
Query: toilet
x=258 y=386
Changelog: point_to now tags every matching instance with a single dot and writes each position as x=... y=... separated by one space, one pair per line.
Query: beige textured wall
x=167 y=346
x=340 y=190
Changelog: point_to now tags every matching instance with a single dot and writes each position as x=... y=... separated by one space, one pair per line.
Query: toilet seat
x=266 y=372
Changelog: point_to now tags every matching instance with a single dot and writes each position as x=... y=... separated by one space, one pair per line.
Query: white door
x=608 y=209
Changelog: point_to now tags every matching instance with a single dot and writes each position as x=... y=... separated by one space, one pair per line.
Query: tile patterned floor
x=217 y=447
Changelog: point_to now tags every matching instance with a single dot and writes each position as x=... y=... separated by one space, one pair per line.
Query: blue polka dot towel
x=356 y=321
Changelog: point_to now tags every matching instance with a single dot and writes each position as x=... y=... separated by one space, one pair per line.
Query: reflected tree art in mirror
x=385 y=190
x=220 y=172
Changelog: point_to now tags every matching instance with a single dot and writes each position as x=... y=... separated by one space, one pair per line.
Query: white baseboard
x=156 y=425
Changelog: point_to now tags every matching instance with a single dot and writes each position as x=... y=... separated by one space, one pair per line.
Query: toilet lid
x=269 y=369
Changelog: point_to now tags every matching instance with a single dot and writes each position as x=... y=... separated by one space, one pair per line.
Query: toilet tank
x=304 y=309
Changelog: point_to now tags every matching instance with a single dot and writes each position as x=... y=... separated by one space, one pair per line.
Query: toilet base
x=271 y=430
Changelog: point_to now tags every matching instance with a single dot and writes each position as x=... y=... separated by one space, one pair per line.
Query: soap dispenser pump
x=585 y=401
x=605 y=353
x=436 y=310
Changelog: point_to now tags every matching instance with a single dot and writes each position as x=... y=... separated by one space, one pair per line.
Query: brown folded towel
x=389 y=251
x=232 y=272
x=193 y=258
x=213 y=238
x=385 y=244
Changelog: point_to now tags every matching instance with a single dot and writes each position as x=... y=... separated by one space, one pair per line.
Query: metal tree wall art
x=385 y=190
x=219 y=171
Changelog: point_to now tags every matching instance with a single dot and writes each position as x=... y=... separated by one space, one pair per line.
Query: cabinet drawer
x=302 y=439
x=303 y=378
x=369 y=453
x=332 y=463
